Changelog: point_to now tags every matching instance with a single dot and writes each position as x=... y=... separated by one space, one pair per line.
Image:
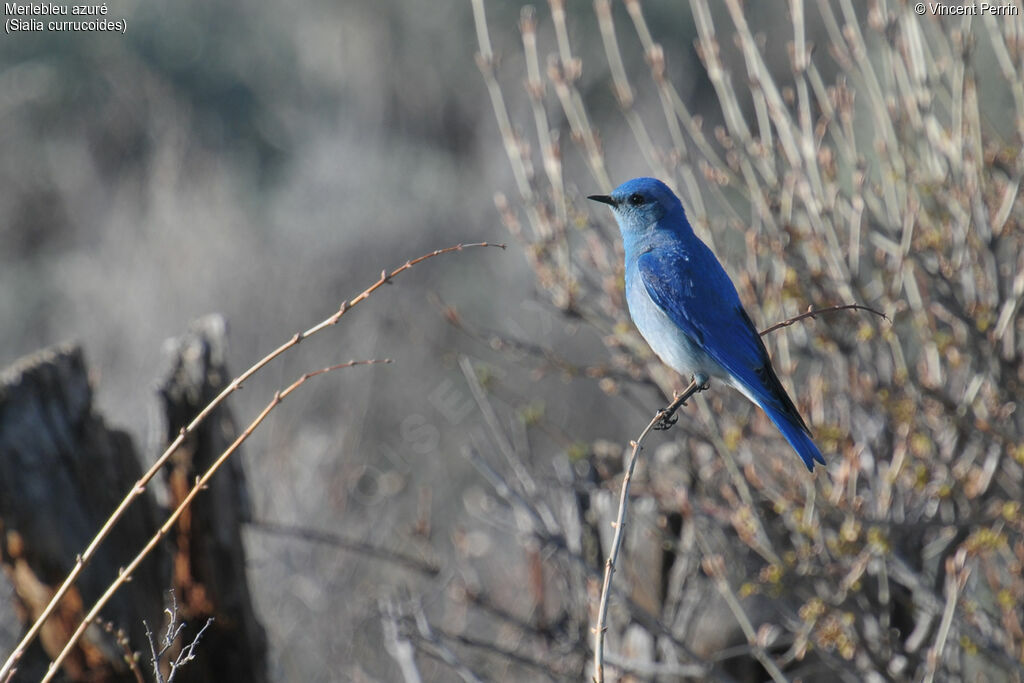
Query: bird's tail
x=793 y=429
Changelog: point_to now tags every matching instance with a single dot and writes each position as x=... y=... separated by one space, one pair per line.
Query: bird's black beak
x=604 y=199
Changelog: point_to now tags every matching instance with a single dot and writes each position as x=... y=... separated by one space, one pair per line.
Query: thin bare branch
x=809 y=313
x=140 y=486
x=168 y=525
x=662 y=417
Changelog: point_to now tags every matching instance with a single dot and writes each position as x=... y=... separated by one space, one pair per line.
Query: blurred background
x=265 y=161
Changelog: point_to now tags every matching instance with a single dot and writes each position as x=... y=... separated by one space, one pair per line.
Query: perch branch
x=620 y=522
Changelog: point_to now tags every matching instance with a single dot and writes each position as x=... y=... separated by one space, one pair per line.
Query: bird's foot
x=667 y=420
x=668 y=417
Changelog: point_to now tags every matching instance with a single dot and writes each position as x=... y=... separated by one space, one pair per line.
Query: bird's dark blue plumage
x=686 y=307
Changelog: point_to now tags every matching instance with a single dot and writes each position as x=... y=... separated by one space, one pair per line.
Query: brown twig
x=814 y=313
x=140 y=486
x=620 y=523
x=663 y=417
x=169 y=523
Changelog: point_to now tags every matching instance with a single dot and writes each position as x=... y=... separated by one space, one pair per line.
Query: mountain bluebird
x=686 y=307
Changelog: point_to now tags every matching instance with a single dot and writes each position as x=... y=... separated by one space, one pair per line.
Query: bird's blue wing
x=695 y=292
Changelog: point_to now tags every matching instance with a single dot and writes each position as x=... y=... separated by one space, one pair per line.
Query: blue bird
x=686 y=307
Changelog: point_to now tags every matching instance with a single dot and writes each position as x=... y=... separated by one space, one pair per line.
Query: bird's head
x=640 y=203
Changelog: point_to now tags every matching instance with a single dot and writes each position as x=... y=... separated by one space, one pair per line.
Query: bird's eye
x=636 y=199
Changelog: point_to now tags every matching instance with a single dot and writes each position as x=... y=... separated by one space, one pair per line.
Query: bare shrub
x=883 y=166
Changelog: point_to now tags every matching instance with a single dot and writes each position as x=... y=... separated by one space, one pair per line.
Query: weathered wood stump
x=62 y=472
x=209 y=559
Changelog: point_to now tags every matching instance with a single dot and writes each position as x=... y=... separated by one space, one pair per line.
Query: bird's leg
x=667 y=417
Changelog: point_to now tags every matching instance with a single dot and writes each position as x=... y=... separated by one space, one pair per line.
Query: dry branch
x=200 y=484
x=140 y=486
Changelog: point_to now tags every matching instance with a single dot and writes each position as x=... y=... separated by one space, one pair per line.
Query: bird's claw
x=666 y=422
x=668 y=417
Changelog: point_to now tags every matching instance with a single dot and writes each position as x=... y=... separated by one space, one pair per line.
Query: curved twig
x=140 y=486
x=814 y=313
x=168 y=525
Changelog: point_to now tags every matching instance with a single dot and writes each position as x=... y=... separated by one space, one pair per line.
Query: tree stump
x=209 y=575
x=62 y=472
